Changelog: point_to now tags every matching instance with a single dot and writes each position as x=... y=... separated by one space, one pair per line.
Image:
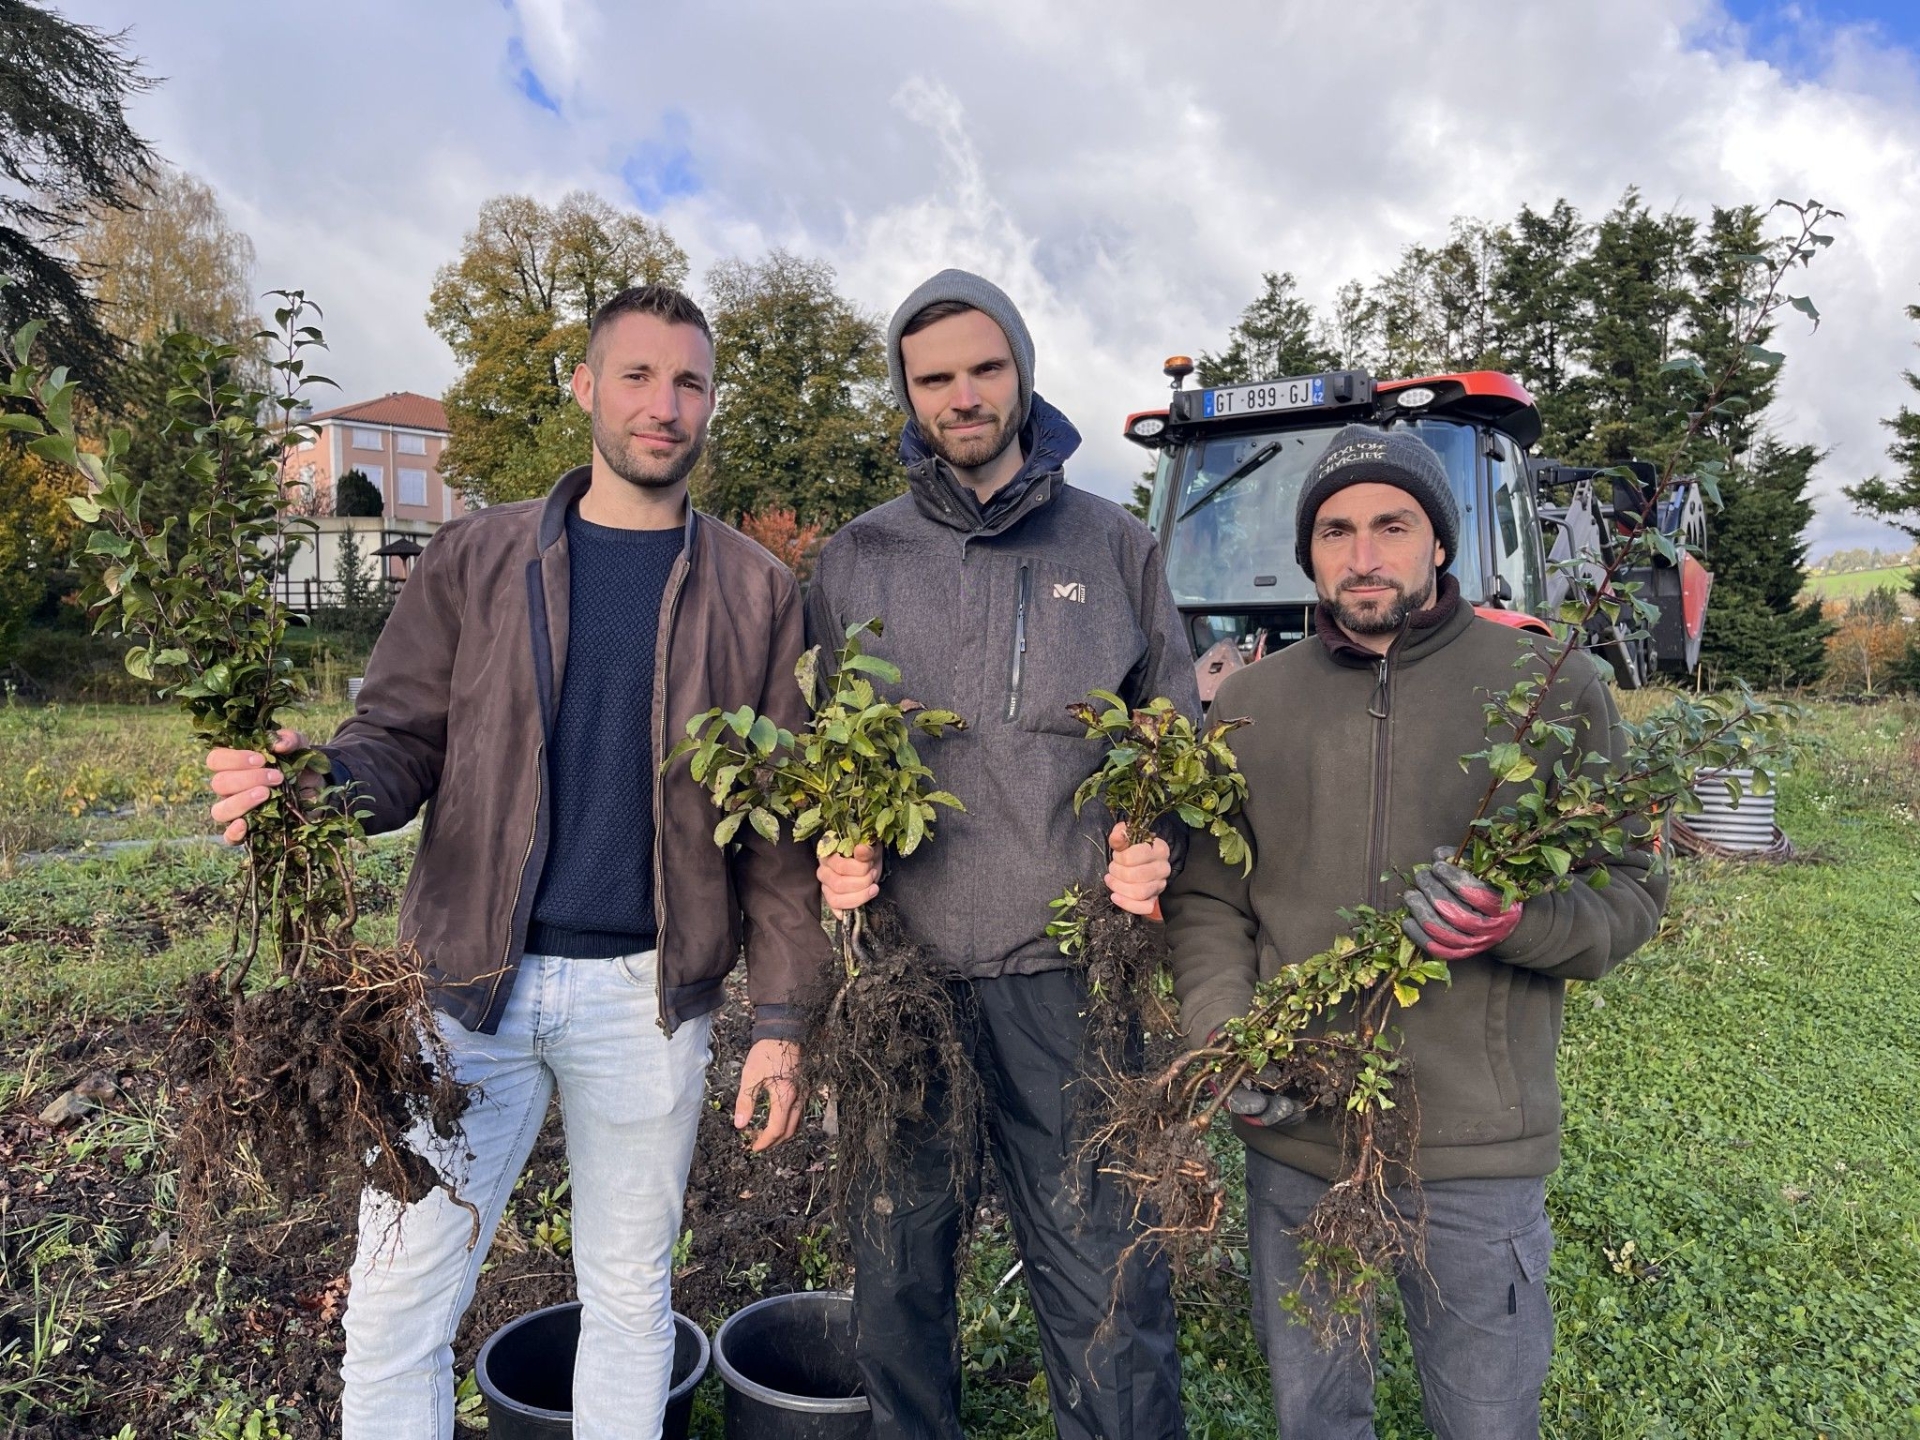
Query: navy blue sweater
x=596 y=890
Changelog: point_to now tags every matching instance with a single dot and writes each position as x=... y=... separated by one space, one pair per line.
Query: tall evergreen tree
x=355 y=494
x=1897 y=501
x=1633 y=286
x=1276 y=335
x=1540 y=313
x=1353 y=328
x=1756 y=627
x=1411 y=339
x=362 y=598
x=66 y=149
x=1465 y=308
x=806 y=420
x=1721 y=272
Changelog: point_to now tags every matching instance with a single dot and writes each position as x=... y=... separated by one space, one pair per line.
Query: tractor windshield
x=1232 y=498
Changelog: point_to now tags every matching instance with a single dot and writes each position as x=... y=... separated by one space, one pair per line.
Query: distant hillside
x=1841 y=589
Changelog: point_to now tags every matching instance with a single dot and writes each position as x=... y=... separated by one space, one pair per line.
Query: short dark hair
x=938 y=310
x=662 y=301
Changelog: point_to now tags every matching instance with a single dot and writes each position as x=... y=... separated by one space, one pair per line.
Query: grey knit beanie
x=982 y=295
x=1360 y=453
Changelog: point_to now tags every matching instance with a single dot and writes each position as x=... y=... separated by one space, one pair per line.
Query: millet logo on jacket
x=1075 y=592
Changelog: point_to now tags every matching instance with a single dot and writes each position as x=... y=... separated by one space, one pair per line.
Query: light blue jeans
x=631 y=1099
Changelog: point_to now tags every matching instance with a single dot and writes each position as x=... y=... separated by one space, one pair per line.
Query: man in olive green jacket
x=1354 y=780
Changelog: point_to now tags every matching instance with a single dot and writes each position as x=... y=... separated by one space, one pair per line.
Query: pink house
x=394 y=441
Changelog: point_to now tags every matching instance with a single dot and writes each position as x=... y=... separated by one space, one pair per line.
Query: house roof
x=400 y=407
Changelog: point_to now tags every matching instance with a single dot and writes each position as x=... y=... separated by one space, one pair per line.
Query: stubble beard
x=1379 y=618
x=647 y=472
x=975 y=452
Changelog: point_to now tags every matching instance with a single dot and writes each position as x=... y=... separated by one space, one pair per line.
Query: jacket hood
x=1048 y=439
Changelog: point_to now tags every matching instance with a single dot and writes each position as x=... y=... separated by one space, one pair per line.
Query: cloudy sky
x=1126 y=170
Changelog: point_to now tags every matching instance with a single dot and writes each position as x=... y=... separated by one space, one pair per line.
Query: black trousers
x=1110 y=1351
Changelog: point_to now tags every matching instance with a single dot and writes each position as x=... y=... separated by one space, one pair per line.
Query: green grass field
x=1738 y=1214
x=1840 y=589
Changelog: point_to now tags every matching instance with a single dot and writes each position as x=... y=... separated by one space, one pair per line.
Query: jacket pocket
x=1499 y=1038
x=1074 y=631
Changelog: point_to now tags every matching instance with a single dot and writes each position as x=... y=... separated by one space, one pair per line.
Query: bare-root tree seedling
x=886 y=1034
x=1323 y=1029
x=317 y=1072
x=1157 y=764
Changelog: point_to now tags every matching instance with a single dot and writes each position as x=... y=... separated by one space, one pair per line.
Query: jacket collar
x=1048 y=440
x=1424 y=632
x=566 y=494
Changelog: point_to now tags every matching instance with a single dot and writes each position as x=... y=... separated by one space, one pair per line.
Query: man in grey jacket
x=1007 y=596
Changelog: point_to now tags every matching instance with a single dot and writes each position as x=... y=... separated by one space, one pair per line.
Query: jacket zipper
x=1381 y=709
x=506 y=954
x=668 y=605
x=1019 y=644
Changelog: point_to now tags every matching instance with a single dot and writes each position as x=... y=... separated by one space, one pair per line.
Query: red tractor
x=1232 y=459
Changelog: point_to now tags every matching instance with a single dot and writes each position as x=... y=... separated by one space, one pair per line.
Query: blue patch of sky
x=526 y=79
x=661 y=167
x=1795 y=34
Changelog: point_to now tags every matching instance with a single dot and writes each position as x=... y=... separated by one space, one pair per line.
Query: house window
x=367 y=440
x=413 y=444
x=378 y=475
x=413 y=487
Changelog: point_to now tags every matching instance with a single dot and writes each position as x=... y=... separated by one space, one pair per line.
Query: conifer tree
x=1277 y=335
x=1897 y=500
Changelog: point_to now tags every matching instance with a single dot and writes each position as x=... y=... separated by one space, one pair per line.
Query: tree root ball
x=1123 y=954
x=890 y=1045
x=315 y=1081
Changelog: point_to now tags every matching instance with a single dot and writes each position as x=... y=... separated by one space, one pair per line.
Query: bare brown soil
x=162 y=1332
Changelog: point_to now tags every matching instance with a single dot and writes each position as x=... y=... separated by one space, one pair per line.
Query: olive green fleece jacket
x=1354 y=778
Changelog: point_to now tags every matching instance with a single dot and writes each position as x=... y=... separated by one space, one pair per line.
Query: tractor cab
x=1232 y=460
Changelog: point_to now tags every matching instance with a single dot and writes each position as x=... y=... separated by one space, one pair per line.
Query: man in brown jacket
x=1354 y=778
x=574 y=918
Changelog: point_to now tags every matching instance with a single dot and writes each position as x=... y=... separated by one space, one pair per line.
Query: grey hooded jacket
x=1007 y=614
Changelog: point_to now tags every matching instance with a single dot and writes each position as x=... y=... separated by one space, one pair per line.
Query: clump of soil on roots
x=313 y=1082
x=888 y=1044
x=1123 y=953
x=1153 y=1140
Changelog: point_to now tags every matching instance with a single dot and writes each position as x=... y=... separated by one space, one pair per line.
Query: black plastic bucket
x=526 y=1374
x=789 y=1370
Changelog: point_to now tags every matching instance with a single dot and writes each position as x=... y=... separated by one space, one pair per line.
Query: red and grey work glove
x=1454 y=914
x=1258 y=1105
x=1256 y=1099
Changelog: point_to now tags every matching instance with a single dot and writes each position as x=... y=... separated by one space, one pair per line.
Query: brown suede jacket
x=460 y=696
x=1354 y=779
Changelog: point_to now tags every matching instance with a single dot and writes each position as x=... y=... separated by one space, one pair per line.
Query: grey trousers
x=1478 y=1317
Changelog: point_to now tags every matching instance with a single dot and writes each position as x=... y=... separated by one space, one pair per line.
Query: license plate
x=1270 y=395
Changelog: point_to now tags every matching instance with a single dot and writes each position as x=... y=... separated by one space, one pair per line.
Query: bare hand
x=1138 y=873
x=772 y=1067
x=243 y=779
x=847 y=883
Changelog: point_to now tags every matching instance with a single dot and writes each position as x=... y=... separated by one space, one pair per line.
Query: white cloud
x=1126 y=174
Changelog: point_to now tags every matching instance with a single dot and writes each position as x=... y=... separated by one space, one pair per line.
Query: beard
x=637 y=467
x=1379 y=617
x=975 y=450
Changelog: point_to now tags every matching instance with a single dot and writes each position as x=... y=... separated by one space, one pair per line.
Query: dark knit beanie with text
x=1360 y=454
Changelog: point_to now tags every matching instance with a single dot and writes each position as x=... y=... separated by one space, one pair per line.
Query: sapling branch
x=324 y=1073
x=885 y=1037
